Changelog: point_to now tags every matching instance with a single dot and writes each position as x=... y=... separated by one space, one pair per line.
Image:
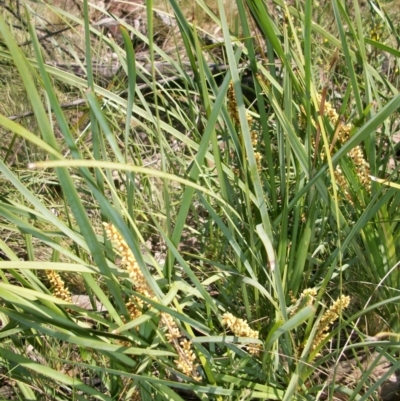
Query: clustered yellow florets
x=240 y=328
x=254 y=137
x=342 y=183
x=186 y=356
x=306 y=298
x=356 y=154
x=309 y=294
x=173 y=331
x=58 y=286
x=329 y=317
x=258 y=158
x=136 y=304
x=362 y=167
x=232 y=104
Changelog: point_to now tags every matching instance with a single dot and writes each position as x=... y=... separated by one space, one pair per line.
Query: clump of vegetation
x=214 y=220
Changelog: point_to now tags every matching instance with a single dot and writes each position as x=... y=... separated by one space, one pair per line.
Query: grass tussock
x=199 y=200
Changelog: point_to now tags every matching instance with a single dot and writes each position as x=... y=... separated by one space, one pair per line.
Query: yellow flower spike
x=232 y=105
x=186 y=356
x=254 y=137
x=58 y=286
x=258 y=158
x=356 y=154
x=240 y=328
x=329 y=317
x=128 y=261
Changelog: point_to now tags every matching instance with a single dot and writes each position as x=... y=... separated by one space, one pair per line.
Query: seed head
x=186 y=356
x=58 y=286
x=232 y=104
x=240 y=328
x=135 y=306
x=329 y=317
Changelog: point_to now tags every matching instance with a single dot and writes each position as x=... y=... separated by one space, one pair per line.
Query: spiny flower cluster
x=329 y=317
x=254 y=137
x=240 y=328
x=128 y=259
x=342 y=183
x=329 y=111
x=356 y=154
x=362 y=167
x=309 y=294
x=306 y=298
x=232 y=104
x=173 y=331
x=58 y=286
x=186 y=356
x=258 y=158
x=135 y=307
x=136 y=304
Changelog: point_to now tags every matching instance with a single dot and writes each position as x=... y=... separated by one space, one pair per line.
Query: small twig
x=49 y=35
x=74 y=103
